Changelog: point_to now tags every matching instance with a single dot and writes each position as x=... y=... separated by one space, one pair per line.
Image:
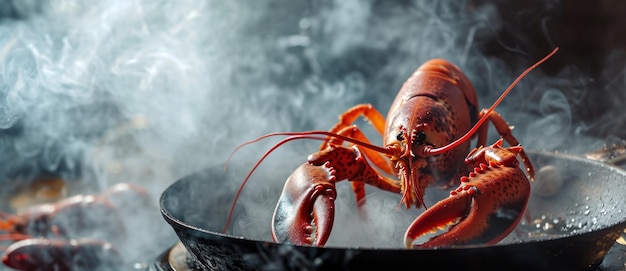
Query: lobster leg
x=505 y=132
x=485 y=208
x=375 y=158
x=345 y=127
x=305 y=212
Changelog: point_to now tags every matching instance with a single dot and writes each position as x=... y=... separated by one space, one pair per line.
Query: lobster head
x=436 y=106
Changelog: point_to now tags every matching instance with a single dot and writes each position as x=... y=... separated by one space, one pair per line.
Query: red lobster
x=426 y=137
x=46 y=254
x=57 y=236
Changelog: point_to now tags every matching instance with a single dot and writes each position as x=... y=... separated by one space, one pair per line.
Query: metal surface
x=590 y=206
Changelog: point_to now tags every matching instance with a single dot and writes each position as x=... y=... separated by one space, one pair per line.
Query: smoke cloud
x=150 y=91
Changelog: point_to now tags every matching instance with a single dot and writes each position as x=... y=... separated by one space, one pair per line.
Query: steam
x=150 y=91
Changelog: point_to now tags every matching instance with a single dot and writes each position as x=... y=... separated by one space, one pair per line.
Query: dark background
x=590 y=64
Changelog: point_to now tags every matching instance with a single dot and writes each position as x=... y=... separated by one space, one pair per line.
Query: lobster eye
x=400 y=136
x=420 y=136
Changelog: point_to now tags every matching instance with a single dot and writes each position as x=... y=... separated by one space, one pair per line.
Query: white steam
x=149 y=91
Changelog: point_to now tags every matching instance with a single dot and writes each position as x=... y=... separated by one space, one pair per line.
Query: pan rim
x=621 y=223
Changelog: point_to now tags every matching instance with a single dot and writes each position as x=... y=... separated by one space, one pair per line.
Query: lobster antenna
x=428 y=150
x=314 y=132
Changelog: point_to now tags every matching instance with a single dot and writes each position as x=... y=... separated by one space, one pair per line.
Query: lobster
x=58 y=254
x=58 y=234
x=426 y=140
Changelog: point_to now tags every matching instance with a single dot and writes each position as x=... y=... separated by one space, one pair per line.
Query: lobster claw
x=305 y=212
x=484 y=209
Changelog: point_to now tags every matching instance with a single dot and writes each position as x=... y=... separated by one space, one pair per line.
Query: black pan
x=589 y=208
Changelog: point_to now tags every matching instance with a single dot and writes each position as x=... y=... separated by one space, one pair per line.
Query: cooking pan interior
x=572 y=225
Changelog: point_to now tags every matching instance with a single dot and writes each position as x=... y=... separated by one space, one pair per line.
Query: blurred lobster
x=426 y=137
x=46 y=254
x=55 y=236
